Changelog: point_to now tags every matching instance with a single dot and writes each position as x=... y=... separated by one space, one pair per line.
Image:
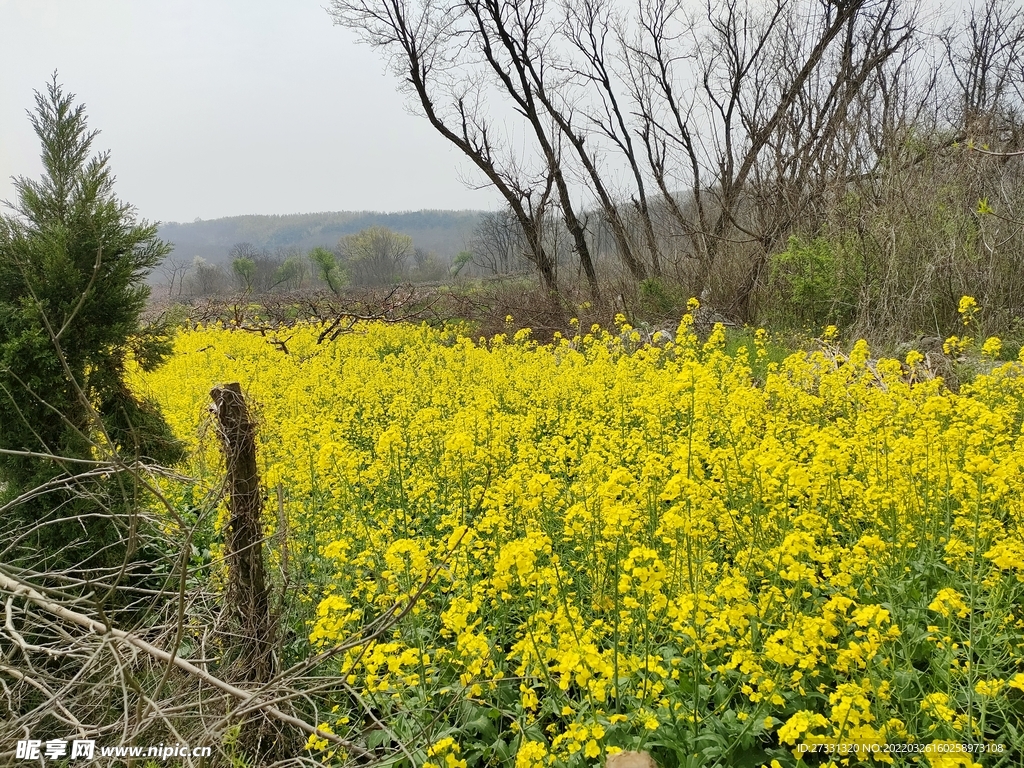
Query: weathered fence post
x=247 y=595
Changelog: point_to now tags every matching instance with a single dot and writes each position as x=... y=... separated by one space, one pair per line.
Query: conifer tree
x=73 y=259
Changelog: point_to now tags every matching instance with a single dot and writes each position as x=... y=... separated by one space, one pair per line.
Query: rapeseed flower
x=608 y=528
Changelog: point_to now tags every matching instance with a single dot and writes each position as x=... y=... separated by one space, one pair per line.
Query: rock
x=630 y=760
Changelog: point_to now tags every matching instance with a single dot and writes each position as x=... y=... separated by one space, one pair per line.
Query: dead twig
x=17 y=588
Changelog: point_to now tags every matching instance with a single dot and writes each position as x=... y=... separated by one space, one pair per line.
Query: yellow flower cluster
x=626 y=542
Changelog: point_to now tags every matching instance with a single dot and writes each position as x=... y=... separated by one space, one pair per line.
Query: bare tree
x=424 y=41
x=375 y=256
x=697 y=136
x=498 y=244
x=755 y=68
x=205 y=279
x=174 y=271
x=984 y=57
x=589 y=27
x=514 y=40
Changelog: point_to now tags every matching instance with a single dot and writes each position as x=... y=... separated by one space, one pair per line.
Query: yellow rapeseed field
x=662 y=547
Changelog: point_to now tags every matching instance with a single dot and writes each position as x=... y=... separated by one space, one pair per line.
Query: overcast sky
x=221 y=107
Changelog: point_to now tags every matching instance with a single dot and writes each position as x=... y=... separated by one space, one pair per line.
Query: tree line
x=374 y=256
x=857 y=152
x=443 y=232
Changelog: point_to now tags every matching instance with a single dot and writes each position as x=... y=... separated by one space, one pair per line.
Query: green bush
x=660 y=299
x=814 y=284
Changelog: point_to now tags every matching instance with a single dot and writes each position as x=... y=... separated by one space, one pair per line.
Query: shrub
x=815 y=284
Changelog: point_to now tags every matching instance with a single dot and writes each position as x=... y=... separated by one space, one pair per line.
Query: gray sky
x=222 y=107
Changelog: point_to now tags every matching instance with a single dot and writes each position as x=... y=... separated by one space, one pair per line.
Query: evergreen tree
x=73 y=259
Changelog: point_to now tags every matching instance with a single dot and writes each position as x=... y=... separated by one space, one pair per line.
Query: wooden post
x=247 y=595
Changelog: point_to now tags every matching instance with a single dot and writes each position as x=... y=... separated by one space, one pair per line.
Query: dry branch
x=17 y=588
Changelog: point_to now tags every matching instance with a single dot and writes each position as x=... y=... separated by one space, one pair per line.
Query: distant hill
x=443 y=232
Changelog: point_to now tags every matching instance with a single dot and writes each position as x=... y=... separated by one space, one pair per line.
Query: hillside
x=443 y=232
